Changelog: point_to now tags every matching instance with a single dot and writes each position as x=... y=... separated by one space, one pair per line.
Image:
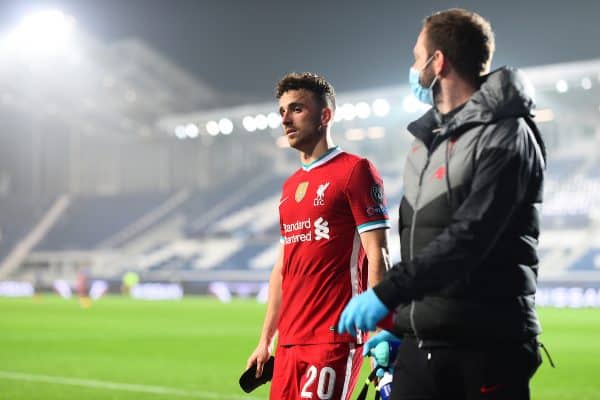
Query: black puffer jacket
x=468 y=220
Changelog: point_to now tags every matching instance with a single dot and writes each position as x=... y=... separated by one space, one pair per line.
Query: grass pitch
x=52 y=349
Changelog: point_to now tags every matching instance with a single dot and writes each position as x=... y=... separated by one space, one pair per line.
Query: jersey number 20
x=325 y=385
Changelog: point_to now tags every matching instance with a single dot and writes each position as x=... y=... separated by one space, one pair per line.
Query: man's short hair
x=321 y=89
x=465 y=38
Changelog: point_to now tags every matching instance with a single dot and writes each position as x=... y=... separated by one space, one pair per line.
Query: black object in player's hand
x=249 y=381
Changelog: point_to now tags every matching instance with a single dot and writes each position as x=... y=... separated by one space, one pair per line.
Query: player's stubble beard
x=305 y=142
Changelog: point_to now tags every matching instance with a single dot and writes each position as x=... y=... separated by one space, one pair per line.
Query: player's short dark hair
x=465 y=38
x=317 y=85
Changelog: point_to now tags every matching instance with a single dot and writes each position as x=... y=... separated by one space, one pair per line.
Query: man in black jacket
x=463 y=293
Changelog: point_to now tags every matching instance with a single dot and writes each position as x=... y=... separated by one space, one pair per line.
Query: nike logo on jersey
x=491 y=388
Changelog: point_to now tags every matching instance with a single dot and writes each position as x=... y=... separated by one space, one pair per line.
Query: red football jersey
x=324 y=207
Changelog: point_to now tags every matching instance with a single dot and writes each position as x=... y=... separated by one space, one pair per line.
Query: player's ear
x=326 y=116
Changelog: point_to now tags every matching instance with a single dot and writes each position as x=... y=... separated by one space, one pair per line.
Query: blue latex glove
x=362 y=312
x=381 y=357
x=378 y=346
x=383 y=348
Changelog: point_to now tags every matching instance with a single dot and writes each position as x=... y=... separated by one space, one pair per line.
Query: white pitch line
x=61 y=380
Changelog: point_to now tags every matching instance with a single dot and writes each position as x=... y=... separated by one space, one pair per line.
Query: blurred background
x=142 y=137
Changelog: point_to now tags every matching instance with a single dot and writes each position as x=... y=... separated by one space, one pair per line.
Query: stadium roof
x=574 y=87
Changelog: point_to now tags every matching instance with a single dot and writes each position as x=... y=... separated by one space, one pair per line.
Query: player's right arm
x=262 y=352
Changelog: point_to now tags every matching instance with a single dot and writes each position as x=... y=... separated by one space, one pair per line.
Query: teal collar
x=328 y=155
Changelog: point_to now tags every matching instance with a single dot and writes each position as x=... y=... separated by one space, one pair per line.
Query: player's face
x=301 y=119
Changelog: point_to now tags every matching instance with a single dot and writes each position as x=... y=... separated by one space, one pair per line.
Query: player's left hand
x=362 y=312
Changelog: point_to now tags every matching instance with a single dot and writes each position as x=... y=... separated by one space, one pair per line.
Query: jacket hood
x=505 y=92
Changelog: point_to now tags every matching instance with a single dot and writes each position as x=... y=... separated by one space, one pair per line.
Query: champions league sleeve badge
x=377 y=194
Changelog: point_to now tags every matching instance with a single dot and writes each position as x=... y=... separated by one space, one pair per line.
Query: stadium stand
x=91 y=219
x=590 y=261
x=17 y=217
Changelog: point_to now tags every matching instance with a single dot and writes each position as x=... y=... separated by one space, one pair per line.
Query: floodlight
x=192 y=131
x=249 y=123
x=43 y=32
x=411 y=104
x=349 y=111
x=212 y=127
x=338 y=115
x=381 y=107
x=274 y=120
x=562 y=86
x=261 y=122
x=363 y=110
x=180 y=132
x=586 y=83
x=225 y=126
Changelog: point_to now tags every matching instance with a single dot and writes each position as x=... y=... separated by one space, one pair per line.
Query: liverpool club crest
x=301 y=191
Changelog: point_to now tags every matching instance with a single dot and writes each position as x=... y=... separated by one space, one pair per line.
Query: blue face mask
x=423 y=94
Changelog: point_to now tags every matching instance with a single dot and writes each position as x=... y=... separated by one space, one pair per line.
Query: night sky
x=243 y=47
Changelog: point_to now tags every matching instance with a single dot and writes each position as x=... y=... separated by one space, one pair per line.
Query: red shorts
x=317 y=371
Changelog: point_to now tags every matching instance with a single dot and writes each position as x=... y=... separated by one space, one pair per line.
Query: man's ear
x=326 y=116
x=440 y=64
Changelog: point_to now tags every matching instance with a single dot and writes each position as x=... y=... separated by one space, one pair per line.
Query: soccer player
x=129 y=281
x=334 y=223
x=464 y=292
x=82 y=286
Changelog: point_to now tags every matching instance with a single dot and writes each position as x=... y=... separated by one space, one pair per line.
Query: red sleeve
x=364 y=191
